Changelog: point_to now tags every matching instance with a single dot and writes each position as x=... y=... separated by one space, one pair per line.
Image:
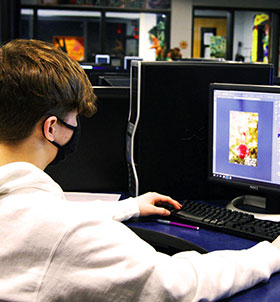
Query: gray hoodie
x=56 y=250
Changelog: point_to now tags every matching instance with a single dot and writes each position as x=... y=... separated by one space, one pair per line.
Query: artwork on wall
x=73 y=46
x=260 y=47
x=218 y=47
x=157 y=37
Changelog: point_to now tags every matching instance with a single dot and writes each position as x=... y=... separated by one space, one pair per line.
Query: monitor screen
x=116 y=61
x=245 y=138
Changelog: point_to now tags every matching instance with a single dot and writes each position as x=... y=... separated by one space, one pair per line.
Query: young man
x=54 y=250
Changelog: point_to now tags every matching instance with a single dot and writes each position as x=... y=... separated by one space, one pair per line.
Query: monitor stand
x=255 y=205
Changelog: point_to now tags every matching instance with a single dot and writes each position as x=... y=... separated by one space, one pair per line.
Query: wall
x=147 y=21
x=181 y=25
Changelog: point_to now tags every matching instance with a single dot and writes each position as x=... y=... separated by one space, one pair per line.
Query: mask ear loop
x=74 y=128
x=68 y=125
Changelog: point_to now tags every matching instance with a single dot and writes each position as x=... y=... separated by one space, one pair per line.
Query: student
x=56 y=250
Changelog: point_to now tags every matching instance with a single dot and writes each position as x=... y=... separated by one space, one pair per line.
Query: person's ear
x=49 y=128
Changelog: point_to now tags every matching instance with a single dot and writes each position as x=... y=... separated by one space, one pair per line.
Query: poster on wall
x=73 y=46
x=218 y=47
x=260 y=47
x=157 y=38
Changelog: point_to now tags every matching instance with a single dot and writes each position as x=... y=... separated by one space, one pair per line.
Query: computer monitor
x=87 y=67
x=127 y=61
x=244 y=141
x=102 y=59
x=116 y=61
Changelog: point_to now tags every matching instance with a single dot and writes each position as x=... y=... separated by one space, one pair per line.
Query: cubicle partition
x=99 y=164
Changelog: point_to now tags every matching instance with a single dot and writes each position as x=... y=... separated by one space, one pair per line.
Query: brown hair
x=38 y=80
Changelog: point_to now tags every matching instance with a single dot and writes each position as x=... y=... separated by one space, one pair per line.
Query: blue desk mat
x=211 y=240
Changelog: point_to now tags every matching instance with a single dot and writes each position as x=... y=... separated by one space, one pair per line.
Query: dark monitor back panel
x=171 y=139
x=120 y=81
x=99 y=164
x=96 y=77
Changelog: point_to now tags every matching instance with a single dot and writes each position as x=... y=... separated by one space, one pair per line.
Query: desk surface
x=212 y=241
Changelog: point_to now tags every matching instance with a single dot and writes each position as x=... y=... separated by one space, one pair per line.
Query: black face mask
x=69 y=147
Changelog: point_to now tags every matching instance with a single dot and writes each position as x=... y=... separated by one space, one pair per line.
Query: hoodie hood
x=21 y=177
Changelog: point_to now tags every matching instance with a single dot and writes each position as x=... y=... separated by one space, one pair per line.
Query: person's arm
x=143 y=205
x=221 y=274
x=106 y=261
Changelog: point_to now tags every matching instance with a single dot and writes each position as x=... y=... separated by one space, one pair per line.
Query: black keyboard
x=227 y=221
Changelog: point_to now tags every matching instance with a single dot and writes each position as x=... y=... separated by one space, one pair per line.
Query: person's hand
x=276 y=242
x=147 y=204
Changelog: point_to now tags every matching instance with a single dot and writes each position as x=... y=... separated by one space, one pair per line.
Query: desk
x=210 y=240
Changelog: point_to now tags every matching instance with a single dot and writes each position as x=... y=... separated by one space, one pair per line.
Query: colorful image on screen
x=243 y=138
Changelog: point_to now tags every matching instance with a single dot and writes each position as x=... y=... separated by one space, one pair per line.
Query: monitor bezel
x=102 y=56
x=130 y=58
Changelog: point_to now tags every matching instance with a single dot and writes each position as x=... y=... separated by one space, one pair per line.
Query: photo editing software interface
x=246 y=136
